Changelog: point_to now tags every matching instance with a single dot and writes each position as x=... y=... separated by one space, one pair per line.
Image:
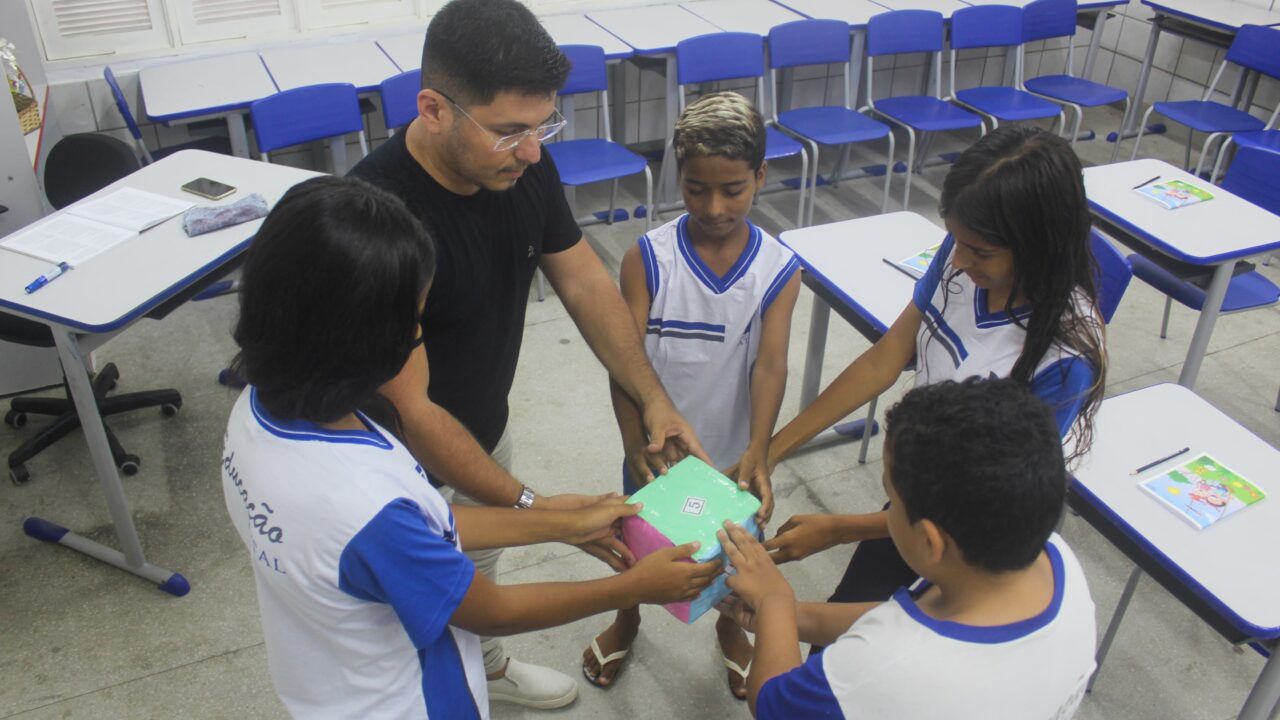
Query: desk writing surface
x=1081 y=5
x=652 y=29
x=855 y=12
x=1207 y=233
x=1232 y=560
x=753 y=16
x=848 y=259
x=946 y=7
x=578 y=30
x=204 y=86
x=362 y=64
x=1222 y=14
x=405 y=49
x=112 y=288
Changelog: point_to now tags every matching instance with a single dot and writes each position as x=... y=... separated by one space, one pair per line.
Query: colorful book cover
x=917 y=264
x=1203 y=491
x=1174 y=194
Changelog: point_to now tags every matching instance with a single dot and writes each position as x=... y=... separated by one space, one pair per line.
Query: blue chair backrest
x=1114 y=274
x=305 y=114
x=904 y=31
x=1258 y=48
x=1045 y=19
x=587 y=73
x=719 y=56
x=1254 y=175
x=400 y=98
x=121 y=104
x=809 y=42
x=986 y=26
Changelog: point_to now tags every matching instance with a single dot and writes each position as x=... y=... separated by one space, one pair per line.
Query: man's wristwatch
x=526 y=498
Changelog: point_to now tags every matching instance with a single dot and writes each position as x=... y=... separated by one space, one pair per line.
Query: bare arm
x=496 y=610
x=444 y=447
x=635 y=439
x=768 y=384
x=598 y=310
x=803 y=535
x=481 y=528
x=871 y=374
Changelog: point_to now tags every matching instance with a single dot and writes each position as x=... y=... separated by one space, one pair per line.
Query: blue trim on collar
x=703 y=272
x=307 y=431
x=997 y=633
x=984 y=319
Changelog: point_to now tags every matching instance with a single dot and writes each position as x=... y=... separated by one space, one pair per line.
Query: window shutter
x=82 y=28
x=209 y=20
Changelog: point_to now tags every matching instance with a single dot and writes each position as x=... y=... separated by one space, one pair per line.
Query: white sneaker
x=533 y=686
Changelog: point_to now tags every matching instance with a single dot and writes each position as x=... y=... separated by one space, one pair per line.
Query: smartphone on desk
x=206 y=188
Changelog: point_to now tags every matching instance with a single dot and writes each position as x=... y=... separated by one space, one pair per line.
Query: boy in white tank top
x=713 y=296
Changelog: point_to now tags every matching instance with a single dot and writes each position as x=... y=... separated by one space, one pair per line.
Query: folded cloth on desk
x=201 y=220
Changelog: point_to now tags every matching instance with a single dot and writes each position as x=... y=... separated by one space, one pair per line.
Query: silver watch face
x=526 y=499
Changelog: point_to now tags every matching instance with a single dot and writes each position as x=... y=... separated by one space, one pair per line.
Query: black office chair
x=76 y=167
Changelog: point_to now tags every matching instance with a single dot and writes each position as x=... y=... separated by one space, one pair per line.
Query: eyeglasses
x=542 y=133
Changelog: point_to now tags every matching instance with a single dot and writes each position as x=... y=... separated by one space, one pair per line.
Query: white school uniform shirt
x=896 y=662
x=358 y=570
x=703 y=332
x=960 y=339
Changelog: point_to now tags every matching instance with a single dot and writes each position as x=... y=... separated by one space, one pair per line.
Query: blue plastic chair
x=1253 y=175
x=732 y=56
x=218 y=143
x=914 y=31
x=1255 y=48
x=307 y=114
x=1047 y=19
x=590 y=160
x=986 y=26
x=1114 y=271
x=821 y=42
x=399 y=95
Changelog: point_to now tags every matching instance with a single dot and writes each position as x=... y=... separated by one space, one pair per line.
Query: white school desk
x=946 y=7
x=578 y=30
x=1208 y=570
x=1191 y=19
x=653 y=31
x=106 y=294
x=209 y=87
x=753 y=16
x=1214 y=234
x=363 y=64
x=404 y=49
x=844 y=265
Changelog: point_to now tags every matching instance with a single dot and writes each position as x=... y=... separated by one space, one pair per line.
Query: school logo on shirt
x=694 y=505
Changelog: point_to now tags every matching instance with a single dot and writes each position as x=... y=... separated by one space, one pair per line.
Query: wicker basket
x=28 y=109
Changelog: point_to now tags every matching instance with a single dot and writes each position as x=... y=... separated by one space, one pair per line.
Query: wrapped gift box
x=691 y=502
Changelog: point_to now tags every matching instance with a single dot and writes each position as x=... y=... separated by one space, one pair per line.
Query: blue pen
x=48 y=277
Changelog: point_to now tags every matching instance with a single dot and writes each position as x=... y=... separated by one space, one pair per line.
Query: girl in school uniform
x=1010 y=293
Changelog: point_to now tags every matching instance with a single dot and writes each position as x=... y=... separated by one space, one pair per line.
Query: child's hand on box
x=754 y=577
x=664 y=576
x=752 y=473
x=594 y=528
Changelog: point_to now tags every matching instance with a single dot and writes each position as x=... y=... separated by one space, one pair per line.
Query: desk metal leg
x=1095 y=41
x=1263 y=698
x=1114 y=626
x=237 y=135
x=819 y=319
x=857 y=88
x=1129 y=127
x=1204 y=326
x=668 y=180
x=131 y=560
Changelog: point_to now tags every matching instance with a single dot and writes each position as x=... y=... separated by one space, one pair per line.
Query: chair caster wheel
x=168 y=410
x=15 y=419
x=18 y=475
x=130 y=464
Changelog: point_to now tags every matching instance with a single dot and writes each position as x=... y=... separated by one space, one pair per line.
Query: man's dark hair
x=476 y=49
x=329 y=300
x=982 y=459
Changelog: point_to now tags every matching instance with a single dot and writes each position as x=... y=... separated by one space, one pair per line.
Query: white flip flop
x=603 y=660
x=739 y=671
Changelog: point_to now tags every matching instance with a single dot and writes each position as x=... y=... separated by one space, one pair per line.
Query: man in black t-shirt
x=471 y=167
